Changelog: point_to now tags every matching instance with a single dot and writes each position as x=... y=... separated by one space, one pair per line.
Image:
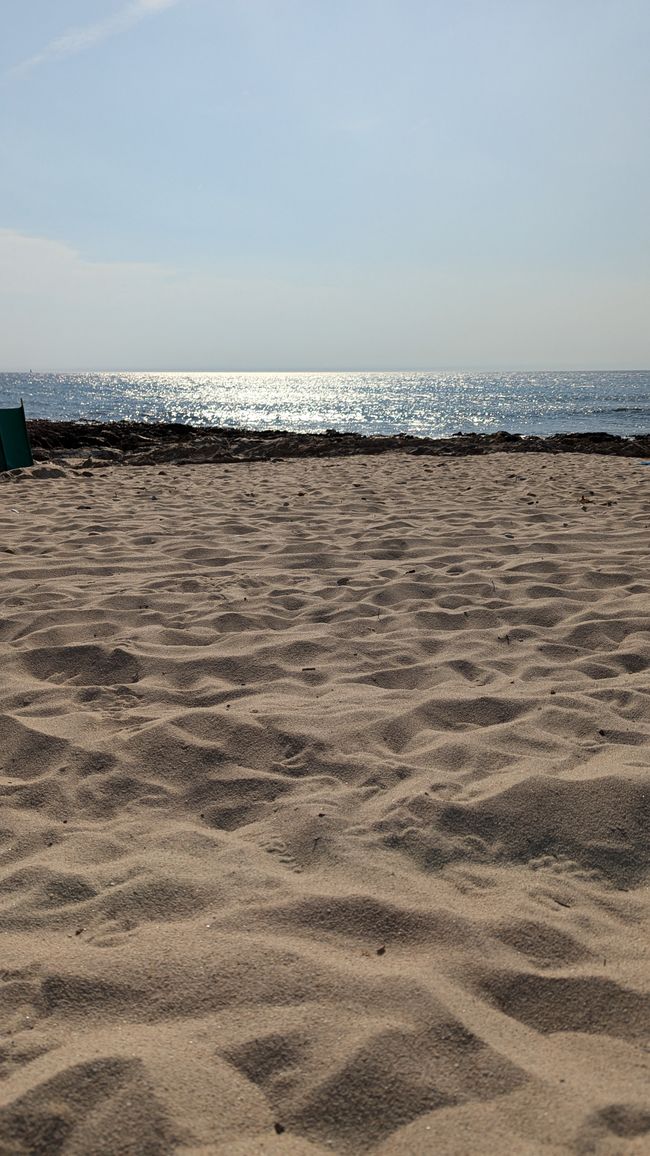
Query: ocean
x=426 y=404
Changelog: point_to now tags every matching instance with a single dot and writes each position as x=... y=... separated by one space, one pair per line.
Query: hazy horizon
x=256 y=184
x=302 y=370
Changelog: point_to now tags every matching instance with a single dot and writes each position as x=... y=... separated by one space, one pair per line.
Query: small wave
x=622 y=409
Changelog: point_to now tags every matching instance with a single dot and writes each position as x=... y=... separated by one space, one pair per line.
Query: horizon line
x=343 y=369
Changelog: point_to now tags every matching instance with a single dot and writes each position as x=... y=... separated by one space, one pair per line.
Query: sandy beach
x=326 y=807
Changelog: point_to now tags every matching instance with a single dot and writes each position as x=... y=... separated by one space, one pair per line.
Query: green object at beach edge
x=15 y=450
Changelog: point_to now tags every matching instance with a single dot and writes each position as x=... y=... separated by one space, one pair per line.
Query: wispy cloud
x=77 y=40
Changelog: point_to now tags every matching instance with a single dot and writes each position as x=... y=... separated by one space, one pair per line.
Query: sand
x=325 y=800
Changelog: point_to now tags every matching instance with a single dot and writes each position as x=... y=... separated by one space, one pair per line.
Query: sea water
x=432 y=404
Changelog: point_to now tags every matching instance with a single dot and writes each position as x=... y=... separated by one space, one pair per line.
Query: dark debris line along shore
x=140 y=443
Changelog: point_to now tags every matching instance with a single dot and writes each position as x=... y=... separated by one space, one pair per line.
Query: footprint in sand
x=277 y=846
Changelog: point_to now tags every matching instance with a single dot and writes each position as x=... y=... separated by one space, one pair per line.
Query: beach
x=326 y=799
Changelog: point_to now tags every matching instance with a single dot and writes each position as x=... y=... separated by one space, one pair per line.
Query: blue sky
x=298 y=183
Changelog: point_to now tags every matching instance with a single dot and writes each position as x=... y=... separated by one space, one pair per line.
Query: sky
x=323 y=184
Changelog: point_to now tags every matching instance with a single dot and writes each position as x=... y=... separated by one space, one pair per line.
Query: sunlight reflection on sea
x=371 y=403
